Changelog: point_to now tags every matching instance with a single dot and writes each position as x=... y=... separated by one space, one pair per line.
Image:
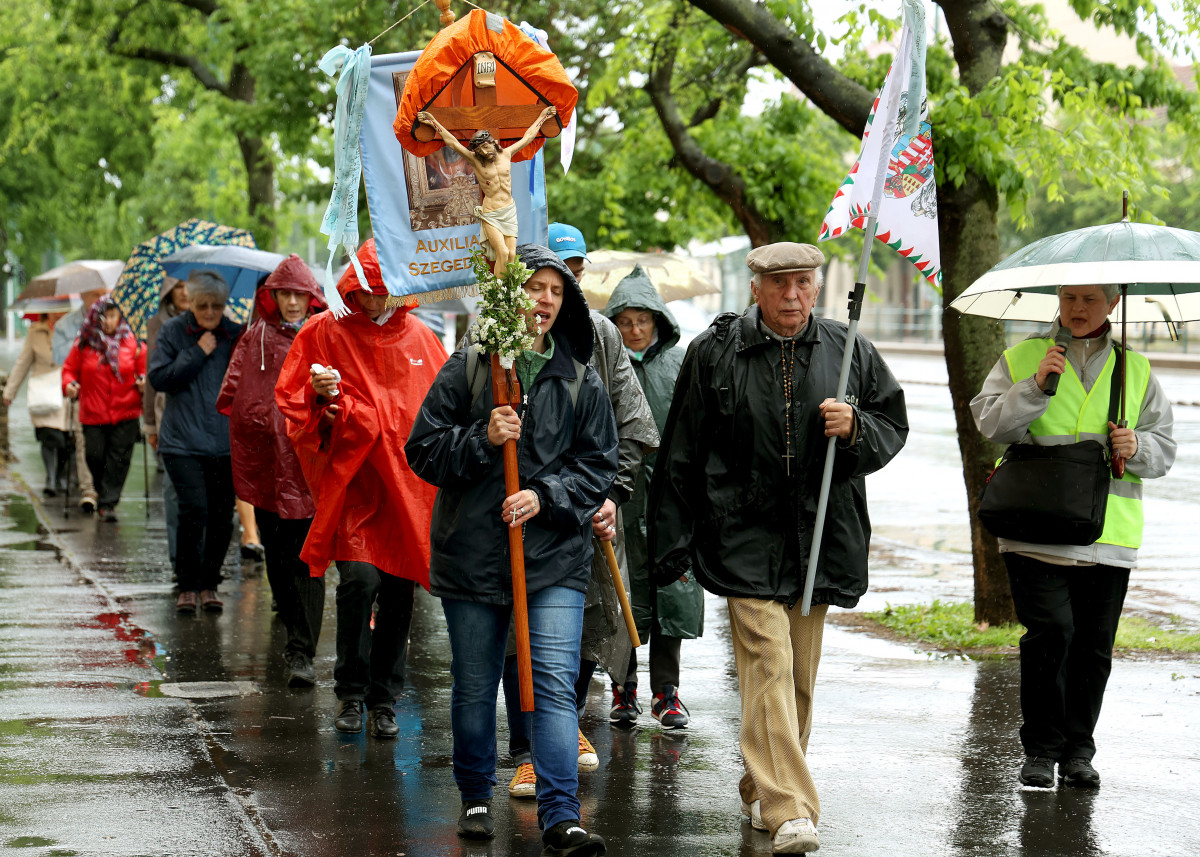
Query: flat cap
x=784 y=256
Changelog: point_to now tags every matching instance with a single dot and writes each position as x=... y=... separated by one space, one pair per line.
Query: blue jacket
x=191 y=381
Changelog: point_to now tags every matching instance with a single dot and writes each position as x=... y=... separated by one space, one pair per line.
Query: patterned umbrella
x=139 y=290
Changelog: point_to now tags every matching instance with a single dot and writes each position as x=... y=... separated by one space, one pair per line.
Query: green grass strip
x=951 y=625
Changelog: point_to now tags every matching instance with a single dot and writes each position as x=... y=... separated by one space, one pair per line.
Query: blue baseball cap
x=567 y=242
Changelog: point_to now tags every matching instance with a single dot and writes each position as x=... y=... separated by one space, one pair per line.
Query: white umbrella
x=673 y=277
x=1158 y=268
x=73 y=278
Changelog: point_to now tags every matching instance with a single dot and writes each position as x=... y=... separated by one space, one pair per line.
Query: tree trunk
x=970 y=241
x=260 y=185
x=259 y=161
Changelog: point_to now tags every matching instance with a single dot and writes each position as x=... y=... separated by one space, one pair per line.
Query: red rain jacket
x=266 y=472
x=103 y=400
x=371 y=507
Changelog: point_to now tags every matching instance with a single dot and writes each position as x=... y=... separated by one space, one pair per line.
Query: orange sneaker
x=524 y=782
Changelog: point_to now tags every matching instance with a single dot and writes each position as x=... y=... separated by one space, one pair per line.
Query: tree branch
x=737 y=72
x=841 y=98
x=199 y=70
x=717 y=175
x=204 y=7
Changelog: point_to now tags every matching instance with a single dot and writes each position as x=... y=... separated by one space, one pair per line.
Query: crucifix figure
x=493 y=172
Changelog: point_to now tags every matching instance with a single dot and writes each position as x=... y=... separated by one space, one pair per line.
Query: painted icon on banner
x=442 y=190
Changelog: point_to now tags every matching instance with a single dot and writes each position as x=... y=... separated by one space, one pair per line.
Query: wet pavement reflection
x=914 y=753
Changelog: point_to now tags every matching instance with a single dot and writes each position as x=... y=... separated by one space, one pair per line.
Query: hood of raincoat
x=165 y=305
x=637 y=292
x=266 y=472
x=292 y=275
x=573 y=326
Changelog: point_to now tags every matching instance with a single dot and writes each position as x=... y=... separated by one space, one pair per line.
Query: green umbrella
x=139 y=289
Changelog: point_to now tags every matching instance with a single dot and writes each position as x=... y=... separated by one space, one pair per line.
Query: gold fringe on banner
x=456 y=293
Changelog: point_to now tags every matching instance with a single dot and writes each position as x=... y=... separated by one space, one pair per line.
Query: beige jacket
x=35 y=359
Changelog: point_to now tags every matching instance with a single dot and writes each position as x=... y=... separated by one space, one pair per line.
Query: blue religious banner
x=423 y=209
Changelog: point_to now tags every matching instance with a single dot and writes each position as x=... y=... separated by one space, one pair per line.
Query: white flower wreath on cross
x=502 y=326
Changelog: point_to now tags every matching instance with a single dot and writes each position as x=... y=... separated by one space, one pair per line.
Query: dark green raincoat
x=680 y=605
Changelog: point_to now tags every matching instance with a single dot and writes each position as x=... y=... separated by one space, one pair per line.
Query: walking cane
x=146 y=474
x=69 y=449
x=614 y=571
x=506 y=390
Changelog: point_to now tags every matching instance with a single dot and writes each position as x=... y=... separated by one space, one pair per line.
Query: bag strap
x=1115 y=393
x=478 y=380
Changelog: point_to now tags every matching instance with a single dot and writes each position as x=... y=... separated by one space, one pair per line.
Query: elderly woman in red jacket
x=106 y=371
x=266 y=472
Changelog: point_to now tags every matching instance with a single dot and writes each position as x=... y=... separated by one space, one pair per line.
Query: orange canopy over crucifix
x=482 y=72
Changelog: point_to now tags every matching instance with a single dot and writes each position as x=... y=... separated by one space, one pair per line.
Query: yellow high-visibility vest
x=1075 y=414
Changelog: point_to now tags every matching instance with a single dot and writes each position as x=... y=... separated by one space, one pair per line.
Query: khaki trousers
x=777 y=651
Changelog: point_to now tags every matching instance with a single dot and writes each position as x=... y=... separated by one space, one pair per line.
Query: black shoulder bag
x=1051 y=495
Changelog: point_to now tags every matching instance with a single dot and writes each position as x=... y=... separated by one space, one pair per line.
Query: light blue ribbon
x=341 y=216
x=914 y=19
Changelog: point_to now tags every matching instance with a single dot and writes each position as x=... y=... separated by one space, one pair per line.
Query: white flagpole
x=856 y=300
x=913 y=31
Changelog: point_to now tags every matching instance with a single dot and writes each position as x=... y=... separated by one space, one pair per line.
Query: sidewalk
x=913 y=753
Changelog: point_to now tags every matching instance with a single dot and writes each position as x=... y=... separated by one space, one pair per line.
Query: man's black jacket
x=721 y=495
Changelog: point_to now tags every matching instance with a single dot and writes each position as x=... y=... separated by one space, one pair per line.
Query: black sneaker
x=625 y=708
x=1038 y=771
x=569 y=839
x=475 y=820
x=384 y=722
x=300 y=670
x=349 y=717
x=668 y=710
x=1078 y=772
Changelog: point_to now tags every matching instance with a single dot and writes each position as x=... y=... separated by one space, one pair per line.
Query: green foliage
x=951 y=626
x=505 y=309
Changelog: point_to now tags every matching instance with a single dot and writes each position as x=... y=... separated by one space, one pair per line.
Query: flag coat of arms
x=893 y=175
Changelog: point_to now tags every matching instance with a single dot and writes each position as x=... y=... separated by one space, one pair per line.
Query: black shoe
x=625 y=708
x=349 y=717
x=1078 y=772
x=475 y=820
x=300 y=670
x=253 y=551
x=569 y=839
x=87 y=505
x=49 y=492
x=108 y=516
x=1038 y=771
x=668 y=710
x=384 y=722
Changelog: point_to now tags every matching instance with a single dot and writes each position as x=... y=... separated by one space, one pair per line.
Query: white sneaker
x=588 y=760
x=754 y=810
x=798 y=836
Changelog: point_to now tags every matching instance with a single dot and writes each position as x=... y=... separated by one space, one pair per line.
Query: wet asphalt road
x=914 y=754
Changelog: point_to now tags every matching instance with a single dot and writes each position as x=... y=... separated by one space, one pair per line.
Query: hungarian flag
x=893 y=176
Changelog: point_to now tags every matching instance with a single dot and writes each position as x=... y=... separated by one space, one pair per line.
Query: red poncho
x=266 y=473
x=370 y=506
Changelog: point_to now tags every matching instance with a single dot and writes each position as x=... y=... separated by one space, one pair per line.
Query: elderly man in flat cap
x=734 y=499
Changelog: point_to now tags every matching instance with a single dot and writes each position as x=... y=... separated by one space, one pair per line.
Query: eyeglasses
x=206 y=307
x=626 y=324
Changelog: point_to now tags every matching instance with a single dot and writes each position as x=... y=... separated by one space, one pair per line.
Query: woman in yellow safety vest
x=1069 y=597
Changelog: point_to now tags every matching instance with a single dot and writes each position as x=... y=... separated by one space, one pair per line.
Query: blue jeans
x=478 y=633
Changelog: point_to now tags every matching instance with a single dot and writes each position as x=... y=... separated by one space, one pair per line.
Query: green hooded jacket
x=680 y=606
